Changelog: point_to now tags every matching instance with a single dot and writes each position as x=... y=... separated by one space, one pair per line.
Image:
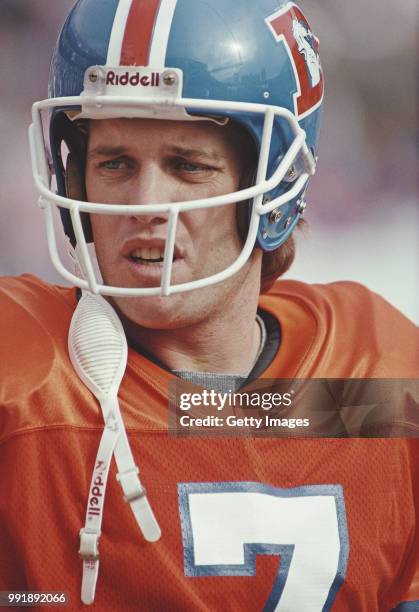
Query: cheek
x=213 y=231
x=103 y=191
x=103 y=228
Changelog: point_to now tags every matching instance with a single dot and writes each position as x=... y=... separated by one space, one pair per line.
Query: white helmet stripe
x=161 y=33
x=118 y=31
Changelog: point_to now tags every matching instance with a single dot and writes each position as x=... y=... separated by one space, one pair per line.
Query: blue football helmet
x=254 y=63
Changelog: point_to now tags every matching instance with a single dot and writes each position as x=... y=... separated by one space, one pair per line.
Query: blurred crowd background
x=363 y=214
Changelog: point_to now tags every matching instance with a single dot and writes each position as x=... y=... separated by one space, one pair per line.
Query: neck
x=226 y=342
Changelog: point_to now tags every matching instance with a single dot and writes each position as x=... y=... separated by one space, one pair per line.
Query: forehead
x=157 y=133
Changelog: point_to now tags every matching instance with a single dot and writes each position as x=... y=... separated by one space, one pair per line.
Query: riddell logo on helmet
x=149 y=80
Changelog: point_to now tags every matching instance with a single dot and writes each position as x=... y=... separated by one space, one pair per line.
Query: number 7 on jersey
x=226 y=524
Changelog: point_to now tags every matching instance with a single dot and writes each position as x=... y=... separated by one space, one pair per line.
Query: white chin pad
x=97 y=345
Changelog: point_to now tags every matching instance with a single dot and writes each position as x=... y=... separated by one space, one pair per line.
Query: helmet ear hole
x=68 y=148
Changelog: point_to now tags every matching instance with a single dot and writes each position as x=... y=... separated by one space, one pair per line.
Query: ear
x=76 y=190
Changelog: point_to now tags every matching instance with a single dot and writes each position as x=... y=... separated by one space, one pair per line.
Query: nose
x=151 y=186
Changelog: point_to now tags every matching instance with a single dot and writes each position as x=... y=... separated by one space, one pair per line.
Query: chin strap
x=98 y=351
x=91 y=532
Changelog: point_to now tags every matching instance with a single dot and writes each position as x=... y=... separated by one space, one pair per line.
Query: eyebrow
x=106 y=150
x=176 y=150
x=187 y=152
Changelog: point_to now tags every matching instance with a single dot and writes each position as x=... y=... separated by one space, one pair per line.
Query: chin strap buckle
x=89 y=544
x=89 y=552
x=131 y=485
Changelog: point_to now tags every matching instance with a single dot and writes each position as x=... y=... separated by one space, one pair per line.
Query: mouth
x=148 y=253
x=144 y=262
x=145 y=255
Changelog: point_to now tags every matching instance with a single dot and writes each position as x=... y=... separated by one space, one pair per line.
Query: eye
x=114 y=164
x=188 y=166
x=188 y=169
x=118 y=164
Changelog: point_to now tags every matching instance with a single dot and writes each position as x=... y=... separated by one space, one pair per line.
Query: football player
x=176 y=144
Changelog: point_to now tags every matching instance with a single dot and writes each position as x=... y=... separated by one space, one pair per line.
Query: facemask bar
x=48 y=198
x=169 y=250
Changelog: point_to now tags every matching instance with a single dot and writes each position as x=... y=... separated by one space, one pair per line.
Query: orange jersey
x=246 y=523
